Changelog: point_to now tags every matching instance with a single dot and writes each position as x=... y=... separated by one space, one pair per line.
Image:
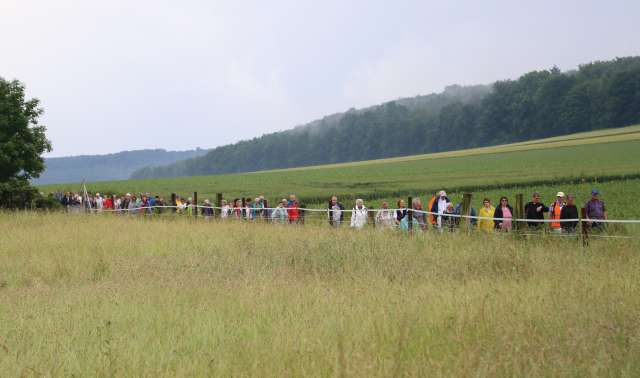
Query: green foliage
x=22 y=142
x=539 y=104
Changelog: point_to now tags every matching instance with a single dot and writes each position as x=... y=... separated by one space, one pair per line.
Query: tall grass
x=122 y=296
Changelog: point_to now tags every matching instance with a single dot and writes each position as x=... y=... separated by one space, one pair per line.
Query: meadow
x=102 y=295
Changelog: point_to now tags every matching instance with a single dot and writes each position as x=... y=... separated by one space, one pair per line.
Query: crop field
x=609 y=155
x=100 y=295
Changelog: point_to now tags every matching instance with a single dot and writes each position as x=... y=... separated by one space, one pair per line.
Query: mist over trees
x=538 y=104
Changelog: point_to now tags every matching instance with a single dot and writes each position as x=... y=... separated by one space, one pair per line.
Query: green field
x=607 y=159
x=125 y=296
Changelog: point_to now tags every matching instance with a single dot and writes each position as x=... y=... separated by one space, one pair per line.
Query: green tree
x=22 y=142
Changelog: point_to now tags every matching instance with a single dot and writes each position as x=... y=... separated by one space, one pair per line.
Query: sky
x=124 y=75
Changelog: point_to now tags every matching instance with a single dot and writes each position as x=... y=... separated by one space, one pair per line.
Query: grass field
x=123 y=296
x=554 y=162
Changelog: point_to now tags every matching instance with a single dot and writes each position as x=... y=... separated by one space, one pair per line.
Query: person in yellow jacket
x=486 y=211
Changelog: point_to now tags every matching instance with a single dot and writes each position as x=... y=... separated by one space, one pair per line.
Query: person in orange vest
x=433 y=219
x=555 y=209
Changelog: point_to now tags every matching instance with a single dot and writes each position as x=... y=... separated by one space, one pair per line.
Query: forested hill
x=538 y=104
x=108 y=167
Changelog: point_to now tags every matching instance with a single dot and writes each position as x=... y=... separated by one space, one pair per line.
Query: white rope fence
x=314 y=210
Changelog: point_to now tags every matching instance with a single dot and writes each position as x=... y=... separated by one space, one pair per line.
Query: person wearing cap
x=440 y=206
x=554 y=213
x=569 y=211
x=595 y=210
x=359 y=215
x=335 y=212
x=535 y=210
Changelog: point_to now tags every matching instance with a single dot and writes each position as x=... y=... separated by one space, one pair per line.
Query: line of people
x=439 y=213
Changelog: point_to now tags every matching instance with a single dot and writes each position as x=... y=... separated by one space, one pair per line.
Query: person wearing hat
x=569 y=211
x=555 y=209
x=440 y=206
x=595 y=210
x=535 y=210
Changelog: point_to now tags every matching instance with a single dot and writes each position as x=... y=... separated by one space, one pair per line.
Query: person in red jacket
x=108 y=203
x=292 y=209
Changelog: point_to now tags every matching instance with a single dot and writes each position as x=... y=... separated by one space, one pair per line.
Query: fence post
x=243 y=211
x=466 y=210
x=173 y=202
x=194 y=205
x=583 y=228
x=372 y=219
x=218 y=203
x=519 y=211
x=410 y=214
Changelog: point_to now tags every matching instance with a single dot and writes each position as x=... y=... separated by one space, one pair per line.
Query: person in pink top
x=504 y=214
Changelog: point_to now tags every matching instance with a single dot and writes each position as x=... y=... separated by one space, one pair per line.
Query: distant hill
x=115 y=166
x=539 y=104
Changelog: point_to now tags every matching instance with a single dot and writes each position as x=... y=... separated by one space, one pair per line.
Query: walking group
x=440 y=213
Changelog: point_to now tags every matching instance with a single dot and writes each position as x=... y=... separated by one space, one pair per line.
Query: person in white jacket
x=359 y=215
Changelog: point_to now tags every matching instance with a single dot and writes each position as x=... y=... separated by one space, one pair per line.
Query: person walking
x=569 y=211
x=419 y=216
x=293 y=211
x=225 y=209
x=486 y=211
x=335 y=212
x=535 y=210
x=439 y=207
x=385 y=218
x=554 y=213
x=359 y=215
x=207 y=209
x=595 y=211
x=279 y=214
x=503 y=215
x=402 y=220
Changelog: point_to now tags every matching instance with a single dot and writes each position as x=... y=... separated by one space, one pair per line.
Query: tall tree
x=22 y=143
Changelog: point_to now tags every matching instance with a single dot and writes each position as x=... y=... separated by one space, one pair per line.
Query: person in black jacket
x=569 y=211
x=504 y=214
x=335 y=212
x=535 y=210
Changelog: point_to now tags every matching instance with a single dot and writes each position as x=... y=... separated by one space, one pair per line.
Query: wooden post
x=301 y=213
x=194 y=205
x=218 y=203
x=371 y=215
x=519 y=212
x=173 y=202
x=410 y=214
x=583 y=228
x=465 y=223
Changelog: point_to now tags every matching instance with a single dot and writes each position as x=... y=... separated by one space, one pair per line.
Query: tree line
x=539 y=104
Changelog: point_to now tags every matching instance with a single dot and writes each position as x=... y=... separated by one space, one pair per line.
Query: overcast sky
x=122 y=75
